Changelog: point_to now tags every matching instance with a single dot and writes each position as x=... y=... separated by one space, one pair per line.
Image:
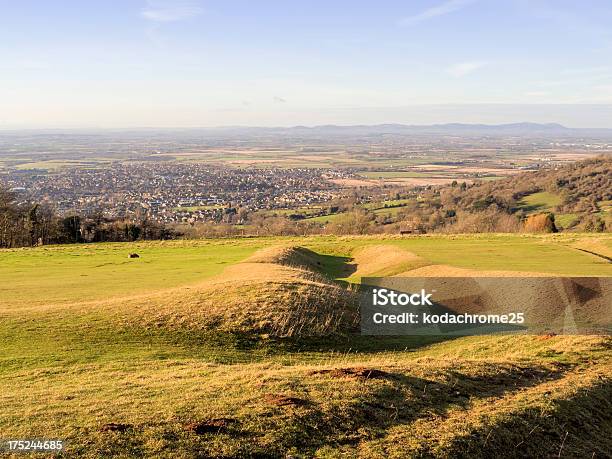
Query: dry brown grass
x=269 y=294
x=441 y=401
x=454 y=271
x=134 y=378
x=290 y=255
x=595 y=245
x=384 y=260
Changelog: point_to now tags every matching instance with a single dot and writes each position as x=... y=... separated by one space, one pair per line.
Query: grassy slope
x=95 y=271
x=65 y=371
x=90 y=272
x=540 y=202
x=550 y=254
x=546 y=202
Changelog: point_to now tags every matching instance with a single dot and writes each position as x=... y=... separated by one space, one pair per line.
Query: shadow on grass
x=579 y=426
x=396 y=400
x=360 y=343
x=400 y=400
x=529 y=208
x=336 y=267
x=238 y=348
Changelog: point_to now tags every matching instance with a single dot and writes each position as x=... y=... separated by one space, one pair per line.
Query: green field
x=105 y=352
x=386 y=204
x=565 y=220
x=605 y=208
x=388 y=210
x=389 y=207
x=324 y=218
x=540 y=202
x=80 y=273
x=55 y=165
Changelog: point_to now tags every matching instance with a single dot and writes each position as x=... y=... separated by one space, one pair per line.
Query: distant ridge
x=526 y=129
x=415 y=127
x=523 y=125
x=463 y=129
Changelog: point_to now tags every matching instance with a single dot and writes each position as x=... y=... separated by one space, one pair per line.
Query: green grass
x=386 y=204
x=324 y=218
x=565 y=220
x=307 y=212
x=605 y=207
x=77 y=273
x=90 y=272
x=388 y=210
x=67 y=368
x=540 y=202
x=55 y=165
x=389 y=207
x=550 y=254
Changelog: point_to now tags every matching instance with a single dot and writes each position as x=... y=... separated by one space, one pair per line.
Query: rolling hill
x=247 y=348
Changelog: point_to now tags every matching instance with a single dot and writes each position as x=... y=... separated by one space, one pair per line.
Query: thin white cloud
x=170 y=11
x=279 y=100
x=464 y=68
x=537 y=93
x=25 y=64
x=450 y=6
x=550 y=83
x=602 y=69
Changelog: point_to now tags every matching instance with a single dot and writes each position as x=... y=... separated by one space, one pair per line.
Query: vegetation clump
x=540 y=223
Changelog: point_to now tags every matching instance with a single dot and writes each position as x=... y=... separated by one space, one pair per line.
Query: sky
x=189 y=63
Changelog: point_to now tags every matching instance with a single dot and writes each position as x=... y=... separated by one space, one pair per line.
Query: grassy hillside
x=173 y=354
x=540 y=202
x=76 y=273
x=63 y=274
x=576 y=193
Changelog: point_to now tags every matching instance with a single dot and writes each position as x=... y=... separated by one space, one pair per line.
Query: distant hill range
x=459 y=129
x=524 y=129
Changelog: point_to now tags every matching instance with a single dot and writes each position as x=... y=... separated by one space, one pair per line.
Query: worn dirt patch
x=284 y=400
x=358 y=372
x=546 y=336
x=216 y=425
x=115 y=427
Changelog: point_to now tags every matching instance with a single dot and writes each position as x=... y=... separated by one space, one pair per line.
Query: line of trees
x=28 y=225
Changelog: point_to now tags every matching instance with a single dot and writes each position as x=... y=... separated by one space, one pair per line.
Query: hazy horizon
x=424 y=116
x=197 y=63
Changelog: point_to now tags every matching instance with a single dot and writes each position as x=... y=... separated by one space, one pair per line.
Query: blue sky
x=202 y=63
